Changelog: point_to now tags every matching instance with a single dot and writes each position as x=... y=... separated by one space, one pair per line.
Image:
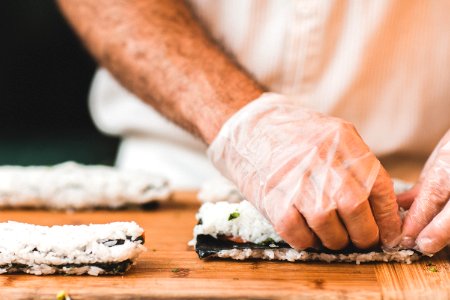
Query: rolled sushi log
x=239 y=231
x=231 y=227
x=74 y=186
x=96 y=249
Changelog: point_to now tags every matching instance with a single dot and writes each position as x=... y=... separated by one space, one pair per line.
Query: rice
x=74 y=186
x=251 y=226
x=292 y=255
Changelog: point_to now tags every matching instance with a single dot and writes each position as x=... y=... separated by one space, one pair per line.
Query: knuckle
x=352 y=208
x=349 y=126
x=384 y=194
x=434 y=193
x=387 y=212
x=345 y=126
x=319 y=220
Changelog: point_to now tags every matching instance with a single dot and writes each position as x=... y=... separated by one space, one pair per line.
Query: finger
x=328 y=228
x=406 y=199
x=354 y=210
x=436 y=235
x=432 y=197
x=294 y=230
x=360 y=223
x=351 y=196
x=385 y=209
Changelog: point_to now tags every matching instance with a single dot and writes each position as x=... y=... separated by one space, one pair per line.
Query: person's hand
x=427 y=223
x=311 y=175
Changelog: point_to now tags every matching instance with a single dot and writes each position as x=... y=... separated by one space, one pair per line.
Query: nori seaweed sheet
x=121 y=241
x=152 y=205
x=109 y=268
x=208 y=246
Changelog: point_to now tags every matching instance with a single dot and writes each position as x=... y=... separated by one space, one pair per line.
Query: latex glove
x=427 y=223
x=311 y=175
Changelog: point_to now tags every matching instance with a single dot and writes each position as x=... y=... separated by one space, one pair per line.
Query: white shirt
x=383 y=65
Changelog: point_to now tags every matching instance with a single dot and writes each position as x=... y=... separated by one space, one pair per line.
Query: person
x=294 y=100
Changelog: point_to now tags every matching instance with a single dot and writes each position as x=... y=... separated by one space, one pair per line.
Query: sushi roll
x=238 y=231
x=73 y=186
x=96 y=249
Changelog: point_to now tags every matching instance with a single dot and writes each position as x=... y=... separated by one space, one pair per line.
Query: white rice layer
x=34 y=245
x=404 y=256
x=74 y=186
x=249 y=224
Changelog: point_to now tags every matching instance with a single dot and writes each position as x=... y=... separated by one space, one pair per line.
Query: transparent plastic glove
x=311 y=175
x=427 y=223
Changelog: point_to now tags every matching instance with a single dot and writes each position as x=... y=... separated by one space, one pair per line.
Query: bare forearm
x=159 y=52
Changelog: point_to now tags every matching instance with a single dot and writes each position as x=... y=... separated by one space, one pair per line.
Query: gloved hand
x=427 y=223
x=311 y=175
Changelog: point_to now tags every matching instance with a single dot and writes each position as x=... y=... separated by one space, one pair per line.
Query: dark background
x=45 y=76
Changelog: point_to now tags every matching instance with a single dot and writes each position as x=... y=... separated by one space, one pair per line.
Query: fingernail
x=391 y=243
x=425 y=245
x=407 y=242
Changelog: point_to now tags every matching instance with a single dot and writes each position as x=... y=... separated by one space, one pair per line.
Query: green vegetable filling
x=233 y=215
x=268 y=241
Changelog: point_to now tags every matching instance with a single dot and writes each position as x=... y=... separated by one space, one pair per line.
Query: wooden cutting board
x=170 y=269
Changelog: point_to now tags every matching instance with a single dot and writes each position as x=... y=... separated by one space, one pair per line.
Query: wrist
x=257 y=106
x=211 y=120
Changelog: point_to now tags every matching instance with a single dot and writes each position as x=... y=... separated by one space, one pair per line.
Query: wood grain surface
x=171 y=270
